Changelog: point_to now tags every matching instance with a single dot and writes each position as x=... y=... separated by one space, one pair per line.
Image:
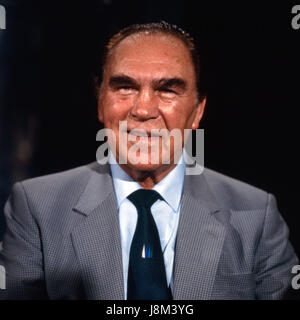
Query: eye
x=167 y=93
x=126 y=89
x=167 y=90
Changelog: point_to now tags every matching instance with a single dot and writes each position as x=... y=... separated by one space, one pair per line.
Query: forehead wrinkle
x=140 y=62
x=144 y=62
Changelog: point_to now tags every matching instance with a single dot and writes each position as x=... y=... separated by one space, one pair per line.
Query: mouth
x=143 y=135
x=138 y=133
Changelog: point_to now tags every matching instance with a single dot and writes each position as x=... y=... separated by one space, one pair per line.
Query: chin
x=146 y=167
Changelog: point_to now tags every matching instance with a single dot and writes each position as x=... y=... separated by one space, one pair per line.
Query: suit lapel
x=199 y=241
x=96 y=239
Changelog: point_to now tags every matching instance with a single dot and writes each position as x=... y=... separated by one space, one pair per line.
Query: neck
x=147 y=179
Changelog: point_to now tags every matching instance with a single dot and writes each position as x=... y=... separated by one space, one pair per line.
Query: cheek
x=178 y=115
x=115 y=109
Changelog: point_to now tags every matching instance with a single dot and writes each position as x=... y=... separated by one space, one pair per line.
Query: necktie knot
x=144 y=198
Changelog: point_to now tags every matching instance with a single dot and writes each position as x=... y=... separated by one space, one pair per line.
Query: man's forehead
x=151 y=46
x=142 y=38
x=150 y=52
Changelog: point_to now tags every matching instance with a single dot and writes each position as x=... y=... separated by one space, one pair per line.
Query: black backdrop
x=250 y=57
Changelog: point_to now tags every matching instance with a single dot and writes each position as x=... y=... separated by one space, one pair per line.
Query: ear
x=100 y=111
x=199 y=113
x=97 y=89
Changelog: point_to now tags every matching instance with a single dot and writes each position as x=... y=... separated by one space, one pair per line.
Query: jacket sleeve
x=21 y=256
x=275 y=257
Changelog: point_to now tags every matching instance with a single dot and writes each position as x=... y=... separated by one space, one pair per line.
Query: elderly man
x=144 y=229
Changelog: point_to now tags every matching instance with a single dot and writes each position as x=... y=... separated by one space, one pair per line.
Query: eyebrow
x=171 y=83
x=118 y=80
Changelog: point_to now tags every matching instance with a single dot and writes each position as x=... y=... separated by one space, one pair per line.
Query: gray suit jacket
x=63 y=241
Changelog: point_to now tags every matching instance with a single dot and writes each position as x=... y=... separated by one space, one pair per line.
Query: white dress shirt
x=165 y=213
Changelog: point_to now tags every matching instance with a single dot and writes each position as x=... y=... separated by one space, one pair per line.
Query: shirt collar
x=170 y=187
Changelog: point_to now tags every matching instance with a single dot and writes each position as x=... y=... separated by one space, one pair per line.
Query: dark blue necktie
x=146 y=272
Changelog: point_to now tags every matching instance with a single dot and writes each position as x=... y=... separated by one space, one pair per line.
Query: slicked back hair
x=156 y=28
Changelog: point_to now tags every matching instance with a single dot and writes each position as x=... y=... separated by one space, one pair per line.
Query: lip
x=143 y=133
x=142 y=138
x=138 y=133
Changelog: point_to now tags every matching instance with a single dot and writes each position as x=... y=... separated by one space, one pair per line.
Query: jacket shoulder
x=59 y=188
x=235 y=193
x=64 y=178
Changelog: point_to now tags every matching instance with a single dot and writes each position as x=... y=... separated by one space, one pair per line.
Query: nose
x=145 y=106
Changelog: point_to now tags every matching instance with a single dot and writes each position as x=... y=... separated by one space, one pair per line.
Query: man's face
x=149 y=81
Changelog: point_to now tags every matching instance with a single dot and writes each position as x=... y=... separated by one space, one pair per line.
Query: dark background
x=250 y=57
